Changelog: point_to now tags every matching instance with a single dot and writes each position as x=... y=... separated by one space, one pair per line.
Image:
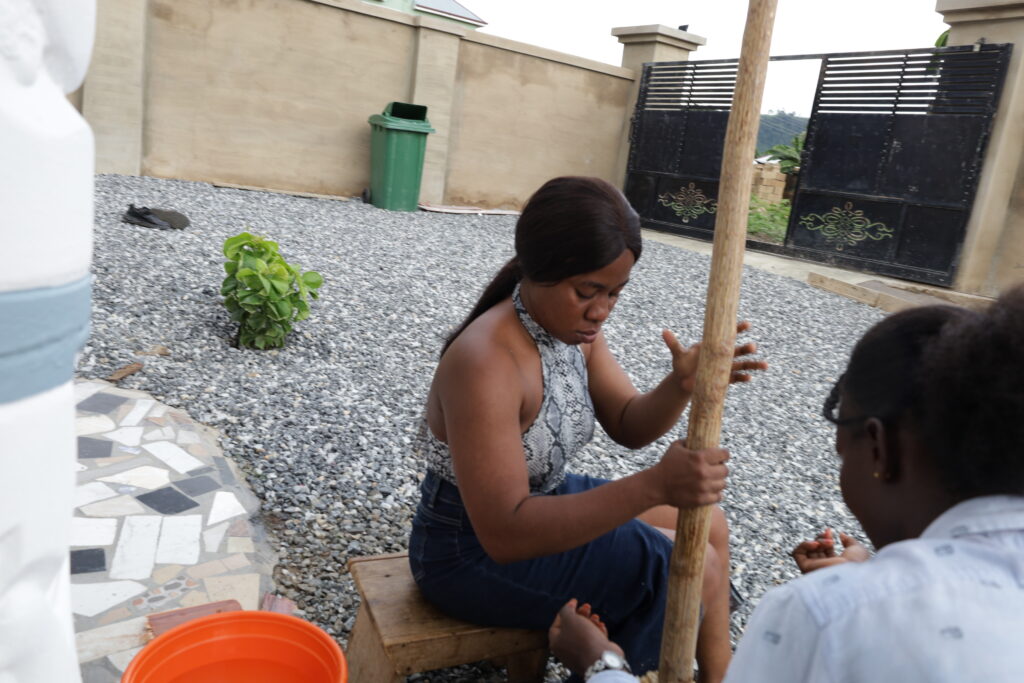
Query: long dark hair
x=955 y=374
x=571 y=225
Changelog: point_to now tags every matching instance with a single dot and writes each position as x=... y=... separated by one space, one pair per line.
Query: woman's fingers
x=821 y=552
x=805 y=547
x=692 y=478
x=817 y=548
x=736 y=377
x=568 y=608
x=741 y=369
x=811 y=555
x=746 y=349
x=596 y=620
x=853 y=549
x=810 y=564
x=827 y=541
x=672 y=342
x=585 y=610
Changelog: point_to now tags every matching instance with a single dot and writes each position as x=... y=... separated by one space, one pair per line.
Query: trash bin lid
x=405 y=110
x=403 y=116
x=385 y=121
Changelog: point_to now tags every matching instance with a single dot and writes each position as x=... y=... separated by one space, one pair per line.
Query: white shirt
x=945 y=607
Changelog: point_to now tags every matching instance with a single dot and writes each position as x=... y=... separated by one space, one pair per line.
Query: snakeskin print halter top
x=563 y=426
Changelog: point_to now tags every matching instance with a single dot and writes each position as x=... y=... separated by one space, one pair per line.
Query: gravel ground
x=322 y=427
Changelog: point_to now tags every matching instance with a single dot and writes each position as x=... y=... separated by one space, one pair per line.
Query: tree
x=788 y=156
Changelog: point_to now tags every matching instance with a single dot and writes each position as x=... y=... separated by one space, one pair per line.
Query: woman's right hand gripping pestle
x=685 y=478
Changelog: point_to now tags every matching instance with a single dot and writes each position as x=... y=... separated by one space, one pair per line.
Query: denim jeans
x=622 y=574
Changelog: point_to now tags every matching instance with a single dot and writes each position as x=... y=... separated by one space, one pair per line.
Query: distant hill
x=778 y=128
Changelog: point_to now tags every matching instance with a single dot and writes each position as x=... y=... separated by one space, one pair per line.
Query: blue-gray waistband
x=40 y=332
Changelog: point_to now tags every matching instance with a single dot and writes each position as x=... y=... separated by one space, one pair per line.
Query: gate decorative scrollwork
x=688 y=202
x=845 y=227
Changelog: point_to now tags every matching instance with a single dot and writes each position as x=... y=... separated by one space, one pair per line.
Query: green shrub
x=264 y=293
x=767 y=221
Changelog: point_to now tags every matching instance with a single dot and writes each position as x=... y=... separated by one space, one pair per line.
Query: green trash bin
x=398 y=140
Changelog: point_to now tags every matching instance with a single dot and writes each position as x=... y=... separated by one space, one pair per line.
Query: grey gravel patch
x=322 y=428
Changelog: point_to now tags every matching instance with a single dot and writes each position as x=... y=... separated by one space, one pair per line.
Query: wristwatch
x=609 y=661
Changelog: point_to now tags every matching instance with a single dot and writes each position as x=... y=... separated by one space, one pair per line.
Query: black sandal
x=161 y=219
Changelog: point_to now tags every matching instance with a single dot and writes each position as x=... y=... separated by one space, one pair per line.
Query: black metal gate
x=675 y=154
x=894 y=149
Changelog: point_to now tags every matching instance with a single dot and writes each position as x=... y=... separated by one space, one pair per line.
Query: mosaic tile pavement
x=162 y=520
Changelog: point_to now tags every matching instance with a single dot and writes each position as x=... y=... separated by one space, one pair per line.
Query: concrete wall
x=524 y=117
x=113 y=101
x=269 y=93
x=276 y=94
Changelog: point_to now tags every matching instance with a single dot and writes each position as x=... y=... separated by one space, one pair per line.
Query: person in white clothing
x=929 y=422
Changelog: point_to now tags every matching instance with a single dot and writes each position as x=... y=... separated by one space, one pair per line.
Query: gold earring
x=877 y=475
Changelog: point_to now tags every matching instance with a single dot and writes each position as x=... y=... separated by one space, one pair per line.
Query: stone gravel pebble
x=323 y=427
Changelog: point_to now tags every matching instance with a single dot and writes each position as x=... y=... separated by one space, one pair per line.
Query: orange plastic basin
x=237 y=647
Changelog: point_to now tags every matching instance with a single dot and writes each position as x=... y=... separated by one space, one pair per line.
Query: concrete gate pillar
x=46 y=216
x=642 y=44
x=993 y=253
x=433 y=85
x=113 y=99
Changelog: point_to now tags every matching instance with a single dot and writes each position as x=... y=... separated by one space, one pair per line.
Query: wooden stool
x=398 y=632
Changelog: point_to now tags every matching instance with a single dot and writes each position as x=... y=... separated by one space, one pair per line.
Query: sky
x=583 y=28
